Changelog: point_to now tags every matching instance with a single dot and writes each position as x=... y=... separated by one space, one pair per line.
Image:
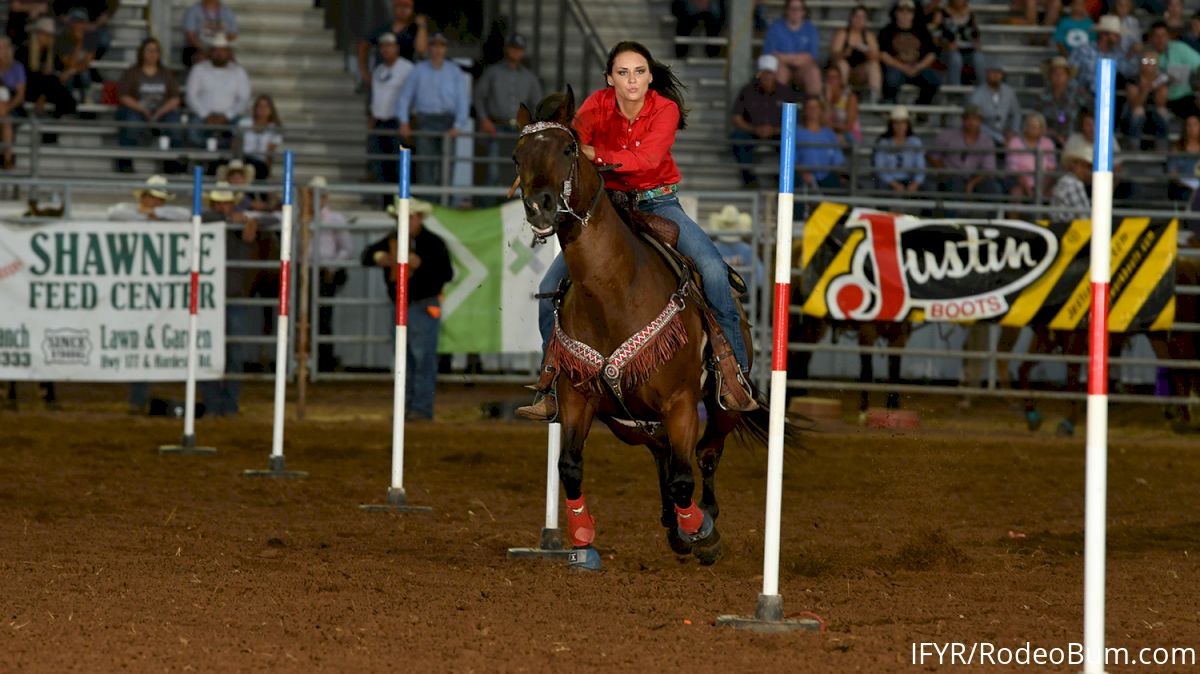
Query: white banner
x=106 y=301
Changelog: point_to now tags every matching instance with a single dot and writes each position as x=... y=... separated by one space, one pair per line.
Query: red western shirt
x=642 y=147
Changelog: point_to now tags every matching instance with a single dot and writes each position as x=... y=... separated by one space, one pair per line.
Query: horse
x=624 y=299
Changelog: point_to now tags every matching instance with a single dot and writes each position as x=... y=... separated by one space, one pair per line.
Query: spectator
x=1179 y=62
x=203 y=23
x=429 y=271
x=44 y=80
x=899 y=157
x=410 y=31
x=1060 y=101
x=1192 y=37
x=1023 y=152
x=1131 y=28
x=907 y=52
x=12 y=98
x=855 y=53
x=1175 y=18
x=958 y=41
x=333 y=250
x=757 y=114
x=434 y=99
x=691 y=14
x=22 y=14
x=240 y=176
x=501 y=90
x=998 y=104
x=1051 y=9
x=76 y=50
x=793 y=39
x=218 y=93
x=148 y=95
x=729 y=228
x=841 y=107
x=1146 y=105
x=151 y=205
x=259 y=135
x=968 y=155
x=386 y=80
x=818 y=151
x=1181 y=165
x=1070 y=199
x=242 y=244
x=1073 y=30
x=1107 y=45
x=97 y=14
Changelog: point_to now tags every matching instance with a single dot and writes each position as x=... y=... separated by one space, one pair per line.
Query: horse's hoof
x=706 y=543
x=584 y=559
x=1033 y=420
x=1065 y=428
x=679 y=545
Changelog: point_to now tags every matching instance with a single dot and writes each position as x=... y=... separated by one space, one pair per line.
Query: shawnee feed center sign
x=103 y=301
x=866 y=265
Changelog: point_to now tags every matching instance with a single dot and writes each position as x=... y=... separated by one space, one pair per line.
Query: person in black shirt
x=429 y=270
x=756 y=115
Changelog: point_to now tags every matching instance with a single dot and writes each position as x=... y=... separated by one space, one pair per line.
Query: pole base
x=768 y=617
x=277 y=469
x=397 y=502
x=187 y=447
x=551 y=547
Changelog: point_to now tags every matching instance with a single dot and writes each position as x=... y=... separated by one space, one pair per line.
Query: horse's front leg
x=577 y=412
x=695 y=526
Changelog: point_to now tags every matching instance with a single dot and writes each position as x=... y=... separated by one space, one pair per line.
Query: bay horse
x=625 y=299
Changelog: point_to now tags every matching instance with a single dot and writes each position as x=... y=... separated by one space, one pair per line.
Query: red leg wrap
x=580 y=524
x=690 y=519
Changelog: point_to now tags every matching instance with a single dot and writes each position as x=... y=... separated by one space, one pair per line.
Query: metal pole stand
x=397 y=502
x=186 y=447
x=768 y=617
x=551 y=546
x=277 y=468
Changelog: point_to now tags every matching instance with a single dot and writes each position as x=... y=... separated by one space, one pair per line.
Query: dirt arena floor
x=113 y=558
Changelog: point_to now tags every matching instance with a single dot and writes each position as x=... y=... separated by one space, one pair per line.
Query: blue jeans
x=742 y=143
x=1149 y=121
x=197 y=136
x=422 y=357
x=926 y=82
x=222 y=396
x=131 y=136
x=694 y=243
x=382 y=140
x=427 y=165
x=955 y=60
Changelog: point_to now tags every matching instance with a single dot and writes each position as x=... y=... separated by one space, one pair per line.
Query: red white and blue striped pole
x=188 y=444
x=277 y=466
x=1096 y=489
x=768 y=613
x=397 y=499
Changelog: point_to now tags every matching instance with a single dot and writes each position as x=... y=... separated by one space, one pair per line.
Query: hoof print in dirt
x=584 y=559
x=1065 y=428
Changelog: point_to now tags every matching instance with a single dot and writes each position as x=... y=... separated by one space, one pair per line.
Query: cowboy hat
x=1059 y=62
x=222 y=192
x=899 y=114
x=1077 y=149
x=218 y=41
x=236 y=166
x=729 y=220
x=318 y=181
x=415 y=207
x=1109 y=23
x=151 y=183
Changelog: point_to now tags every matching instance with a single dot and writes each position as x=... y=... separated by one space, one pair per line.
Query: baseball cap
x=515 y=40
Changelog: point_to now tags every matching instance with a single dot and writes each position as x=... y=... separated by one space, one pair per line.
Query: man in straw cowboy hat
x=1108 y=46
x=1069 y=198
x=1060 y=101
x=729 y=229
x=429 y=270
x=151 y=204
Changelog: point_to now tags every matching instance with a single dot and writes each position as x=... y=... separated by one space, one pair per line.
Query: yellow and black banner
x=866 y=265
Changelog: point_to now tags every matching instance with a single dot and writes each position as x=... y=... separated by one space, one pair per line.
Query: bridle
x=564 y=196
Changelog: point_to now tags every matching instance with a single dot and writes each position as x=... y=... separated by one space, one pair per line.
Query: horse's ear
x=523 y=116
x=569 y=104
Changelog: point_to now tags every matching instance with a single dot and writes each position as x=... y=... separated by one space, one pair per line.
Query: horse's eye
x=570 y=151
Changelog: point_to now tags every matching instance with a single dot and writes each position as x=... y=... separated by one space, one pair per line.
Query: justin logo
x=905 y=264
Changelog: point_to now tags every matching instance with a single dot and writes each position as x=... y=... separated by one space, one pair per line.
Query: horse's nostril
x=547 y=201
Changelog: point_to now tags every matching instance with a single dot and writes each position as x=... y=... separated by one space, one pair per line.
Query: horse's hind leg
x=694 y=525
x=577 y=414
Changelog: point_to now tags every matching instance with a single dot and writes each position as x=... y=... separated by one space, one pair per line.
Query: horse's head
x=547 y=160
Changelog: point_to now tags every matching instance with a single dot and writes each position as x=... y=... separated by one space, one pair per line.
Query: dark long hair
x=663 y=80
x=141 y=52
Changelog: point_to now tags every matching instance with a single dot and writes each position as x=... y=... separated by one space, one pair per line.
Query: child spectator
x=855 y=53
x=793 y=39
x=907 y=52
x=148 y=95
x=76 y=50
x=258 y=136
x=899 y=158
x=1073 y=30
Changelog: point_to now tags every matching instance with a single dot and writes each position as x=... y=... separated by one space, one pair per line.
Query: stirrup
x=735 y=396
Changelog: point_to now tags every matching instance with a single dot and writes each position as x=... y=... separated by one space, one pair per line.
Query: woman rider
x=631 y=124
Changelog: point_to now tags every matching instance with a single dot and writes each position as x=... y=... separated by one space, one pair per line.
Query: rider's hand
x=588 y=151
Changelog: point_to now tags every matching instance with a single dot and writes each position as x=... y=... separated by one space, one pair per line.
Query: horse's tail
x=753 y=428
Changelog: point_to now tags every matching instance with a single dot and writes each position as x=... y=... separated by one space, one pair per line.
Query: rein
x=564 y=196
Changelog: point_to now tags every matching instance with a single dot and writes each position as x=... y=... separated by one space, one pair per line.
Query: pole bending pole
x=1096 y=489
x=768 y=613
x=277 y=465
x=188 y=444
x=397 y=500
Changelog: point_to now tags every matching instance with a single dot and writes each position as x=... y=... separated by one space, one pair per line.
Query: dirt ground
x=113 y=558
